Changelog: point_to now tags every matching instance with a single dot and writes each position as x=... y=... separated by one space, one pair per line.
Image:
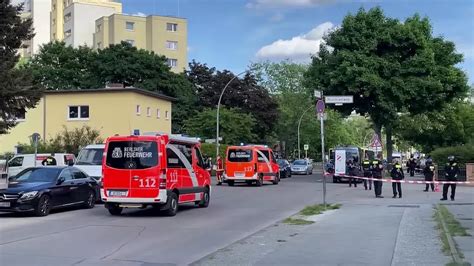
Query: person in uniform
x=397 y=174
x=49 y=161
x=377 y=170
x=352 y=170
x=428 y=172
x=367 y=168
x=451 y=172
x=411 y=164
x=219 y=170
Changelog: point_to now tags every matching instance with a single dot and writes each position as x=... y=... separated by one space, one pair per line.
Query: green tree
x=244 y=93
x=16 y=90
x=235 y=126
x=58 y=66
x=390 y=67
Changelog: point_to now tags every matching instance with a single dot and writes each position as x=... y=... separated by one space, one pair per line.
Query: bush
x=464 y=154
x=209 y=150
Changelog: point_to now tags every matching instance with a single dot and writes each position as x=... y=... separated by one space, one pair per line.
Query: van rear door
x=132 y=169
x=240 y=163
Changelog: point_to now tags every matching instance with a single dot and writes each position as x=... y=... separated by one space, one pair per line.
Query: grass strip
x=318 y=209
x=297 y=221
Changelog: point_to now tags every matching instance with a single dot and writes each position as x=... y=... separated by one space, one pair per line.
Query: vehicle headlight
x=29 y=195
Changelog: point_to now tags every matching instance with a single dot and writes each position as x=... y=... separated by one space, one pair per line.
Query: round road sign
x=320 y=106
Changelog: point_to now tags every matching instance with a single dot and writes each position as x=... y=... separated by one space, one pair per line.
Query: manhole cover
x=404 y=206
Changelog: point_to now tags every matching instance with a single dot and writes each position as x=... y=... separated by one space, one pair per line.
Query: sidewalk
x=365 y=231
x=465 y=215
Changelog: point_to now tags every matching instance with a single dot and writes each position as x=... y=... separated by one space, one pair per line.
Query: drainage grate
x=404 y=206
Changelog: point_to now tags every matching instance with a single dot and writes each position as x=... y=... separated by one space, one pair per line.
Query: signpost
x=35 y=137
x=376 y=143
x=318 y=94
x=306 y=148
x=320 y=108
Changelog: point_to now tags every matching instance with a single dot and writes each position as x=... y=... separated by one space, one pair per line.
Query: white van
x=22 y=161
x=89 y=160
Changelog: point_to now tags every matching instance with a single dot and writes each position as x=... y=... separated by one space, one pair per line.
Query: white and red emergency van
x=251 y=164
x=156 y=170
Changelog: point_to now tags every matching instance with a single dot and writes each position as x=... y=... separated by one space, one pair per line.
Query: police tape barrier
x=401 y=181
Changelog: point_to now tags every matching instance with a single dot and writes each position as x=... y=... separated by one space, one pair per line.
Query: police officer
x=219 y=170
x=352 y=170
x=367 y=168
x=377 y=169
x=49 y=161
x=451 y=171
x=411 y=164
x=429 y=171
x=397 y=174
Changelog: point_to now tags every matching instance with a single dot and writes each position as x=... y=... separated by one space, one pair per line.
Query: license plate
x=239 y=174
x=118 y=193
x=5 y=204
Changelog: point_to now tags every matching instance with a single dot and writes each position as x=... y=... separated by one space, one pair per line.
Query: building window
x=67 y=33
x=158 y=113
x=148 y=111
x=138 y=110
x=171 y=27
x=172 y=45
x=78 y=112
x=167 y=115
x=172 y=62
x=130 y=25
x=131 y=42
x=67 y=17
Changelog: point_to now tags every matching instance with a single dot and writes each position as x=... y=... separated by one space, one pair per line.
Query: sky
x=230 y=34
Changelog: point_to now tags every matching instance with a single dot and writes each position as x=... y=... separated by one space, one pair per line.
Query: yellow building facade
x=163 y=35
x=57 y=13
x=111 y=111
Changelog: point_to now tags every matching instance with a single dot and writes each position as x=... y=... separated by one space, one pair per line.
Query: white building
x=79 y=21
x=39 y=11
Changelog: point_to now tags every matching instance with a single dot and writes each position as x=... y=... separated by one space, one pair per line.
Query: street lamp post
x=219 y=105
x=299 y=124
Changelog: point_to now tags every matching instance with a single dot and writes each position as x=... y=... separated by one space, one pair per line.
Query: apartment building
x=161 y=34
x=73 y=21
x=39 y=11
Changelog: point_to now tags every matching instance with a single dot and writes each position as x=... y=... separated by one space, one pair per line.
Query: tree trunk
x=388 y=132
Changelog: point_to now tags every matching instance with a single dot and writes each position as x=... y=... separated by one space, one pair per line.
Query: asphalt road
x=142 y=237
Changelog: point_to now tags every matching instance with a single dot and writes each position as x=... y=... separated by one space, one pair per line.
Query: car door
x=80 y=180
x=199 y=167
x=62 y=193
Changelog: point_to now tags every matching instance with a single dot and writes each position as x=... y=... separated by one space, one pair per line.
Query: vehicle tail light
x=163 y=179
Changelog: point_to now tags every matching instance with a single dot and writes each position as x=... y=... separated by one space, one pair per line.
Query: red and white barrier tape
x=401 y=181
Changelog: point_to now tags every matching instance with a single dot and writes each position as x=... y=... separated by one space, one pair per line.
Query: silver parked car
x=304 y=167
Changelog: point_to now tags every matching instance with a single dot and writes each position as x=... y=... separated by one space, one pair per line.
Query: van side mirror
x=61 y=180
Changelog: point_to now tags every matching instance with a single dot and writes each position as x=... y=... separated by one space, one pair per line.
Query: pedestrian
x=451 y=172
x=377 y=170
x=367 y=168
x=411 y=164
x=219 y=170
x=397 y=174
x=352 y=170
x=429 y=171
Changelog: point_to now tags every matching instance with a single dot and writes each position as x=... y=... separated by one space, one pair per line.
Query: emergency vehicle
x=157 y=170
x=251 y=164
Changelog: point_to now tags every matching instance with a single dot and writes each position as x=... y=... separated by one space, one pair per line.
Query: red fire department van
x=251 y=163
x=156 y=170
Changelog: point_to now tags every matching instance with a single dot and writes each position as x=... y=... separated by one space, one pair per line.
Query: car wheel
x=230 y=183
x=173 y=207
x=277 y=179
x=44 y=206
x=90 y=201
x=206 y=198
x=259 y=182
x=114 y=209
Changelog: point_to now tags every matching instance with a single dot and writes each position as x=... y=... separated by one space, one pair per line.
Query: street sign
x=318 y=94
x=306 y=147
x=212 y=140
x=320 y=106
x=375 y=141
x=339 y=99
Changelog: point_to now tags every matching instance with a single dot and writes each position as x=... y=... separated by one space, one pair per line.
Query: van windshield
x=132 y=154
x=239 y=155
x=90 y=157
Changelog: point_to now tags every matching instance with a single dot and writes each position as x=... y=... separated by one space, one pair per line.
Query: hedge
x=209 y=150
x=464 y=154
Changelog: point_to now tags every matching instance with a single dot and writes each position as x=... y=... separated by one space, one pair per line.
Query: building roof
x=114 y=90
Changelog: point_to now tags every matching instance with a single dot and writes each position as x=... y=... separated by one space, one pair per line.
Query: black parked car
x=40 y=189
x=285 y=168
